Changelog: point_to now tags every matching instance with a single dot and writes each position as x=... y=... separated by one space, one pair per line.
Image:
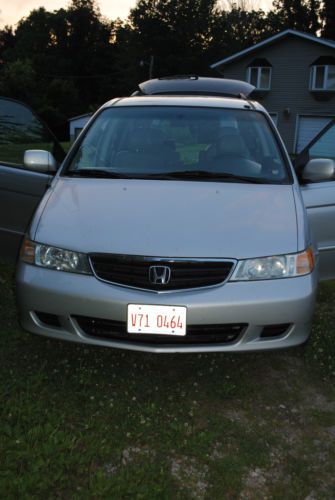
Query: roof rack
x=195 y=85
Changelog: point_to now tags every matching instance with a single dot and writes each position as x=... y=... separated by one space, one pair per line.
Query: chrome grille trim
x=140 y=259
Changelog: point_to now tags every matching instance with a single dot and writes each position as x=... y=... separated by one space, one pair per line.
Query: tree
x=178 y=33
x=302 y=15
x=237 y=29
x=70 y=53
x=71 y=60
x=7 y=42
x=328 y=15
x=32 y=37
x=18 y=80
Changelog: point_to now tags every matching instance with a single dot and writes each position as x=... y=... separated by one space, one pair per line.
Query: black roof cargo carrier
x=195 y=85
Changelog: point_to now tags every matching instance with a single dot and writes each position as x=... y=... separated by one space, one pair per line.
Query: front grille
x=136 y=271
x=195 y=334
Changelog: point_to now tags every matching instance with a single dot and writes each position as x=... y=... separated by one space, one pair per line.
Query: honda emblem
x=159 y=275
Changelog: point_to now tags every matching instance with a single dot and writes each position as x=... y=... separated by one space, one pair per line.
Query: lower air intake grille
x=196 y=334
x=160 y=274
x=48 y=319
x=272 y=331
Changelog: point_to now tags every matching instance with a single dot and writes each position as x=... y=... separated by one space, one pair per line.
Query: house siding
x=290 y=58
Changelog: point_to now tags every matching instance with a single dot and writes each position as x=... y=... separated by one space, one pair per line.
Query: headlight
x=54 y=258
x=275 y=267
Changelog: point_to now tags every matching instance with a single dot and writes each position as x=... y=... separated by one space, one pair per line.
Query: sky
x=11 y=11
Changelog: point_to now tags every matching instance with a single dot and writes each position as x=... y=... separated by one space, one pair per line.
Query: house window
x=259 y=74
x=322 y=76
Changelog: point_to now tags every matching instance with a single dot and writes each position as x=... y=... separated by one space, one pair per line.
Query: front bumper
x=257 y=304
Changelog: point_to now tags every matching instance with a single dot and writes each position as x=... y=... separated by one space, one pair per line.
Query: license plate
x=162 y=320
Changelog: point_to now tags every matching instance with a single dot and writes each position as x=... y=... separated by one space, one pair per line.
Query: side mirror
x=319 y=169
x=39 y=161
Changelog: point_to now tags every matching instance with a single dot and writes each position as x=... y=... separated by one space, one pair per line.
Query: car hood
x=169 y=218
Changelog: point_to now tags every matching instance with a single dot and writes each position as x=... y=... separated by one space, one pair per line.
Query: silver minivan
x=176 y=223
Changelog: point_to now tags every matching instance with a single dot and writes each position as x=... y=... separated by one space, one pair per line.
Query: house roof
x=273 y=39
x=80 y=116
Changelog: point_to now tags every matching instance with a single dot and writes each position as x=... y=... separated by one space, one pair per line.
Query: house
x=77 y=123
x=294 y=76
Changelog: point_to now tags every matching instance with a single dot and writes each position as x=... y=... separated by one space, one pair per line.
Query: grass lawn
x=83 y=422
x=66 y=146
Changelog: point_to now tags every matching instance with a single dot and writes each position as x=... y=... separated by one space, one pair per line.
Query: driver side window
x=20 y=129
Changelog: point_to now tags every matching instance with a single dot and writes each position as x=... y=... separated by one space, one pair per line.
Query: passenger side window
x=20 y=129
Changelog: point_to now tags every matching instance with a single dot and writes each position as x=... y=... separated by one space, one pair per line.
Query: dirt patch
x=129 y=455
x=190 y=476
x=255 y=482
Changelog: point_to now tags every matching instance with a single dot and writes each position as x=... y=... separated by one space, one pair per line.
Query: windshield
x=180 y=142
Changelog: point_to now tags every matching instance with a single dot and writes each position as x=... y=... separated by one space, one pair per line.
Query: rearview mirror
x=319 y=169
x=40 y=161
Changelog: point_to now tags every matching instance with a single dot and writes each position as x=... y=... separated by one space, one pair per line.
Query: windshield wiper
x=97 y=172
x=204 y=174
x=178 y=174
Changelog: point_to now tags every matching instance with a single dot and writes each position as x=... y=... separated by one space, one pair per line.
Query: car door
x=319 y=199
x=20 y=188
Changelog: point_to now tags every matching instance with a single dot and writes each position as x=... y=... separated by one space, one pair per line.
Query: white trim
x=259 y=76
x=80 y=116
x=278 y=36
x=325 y=77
